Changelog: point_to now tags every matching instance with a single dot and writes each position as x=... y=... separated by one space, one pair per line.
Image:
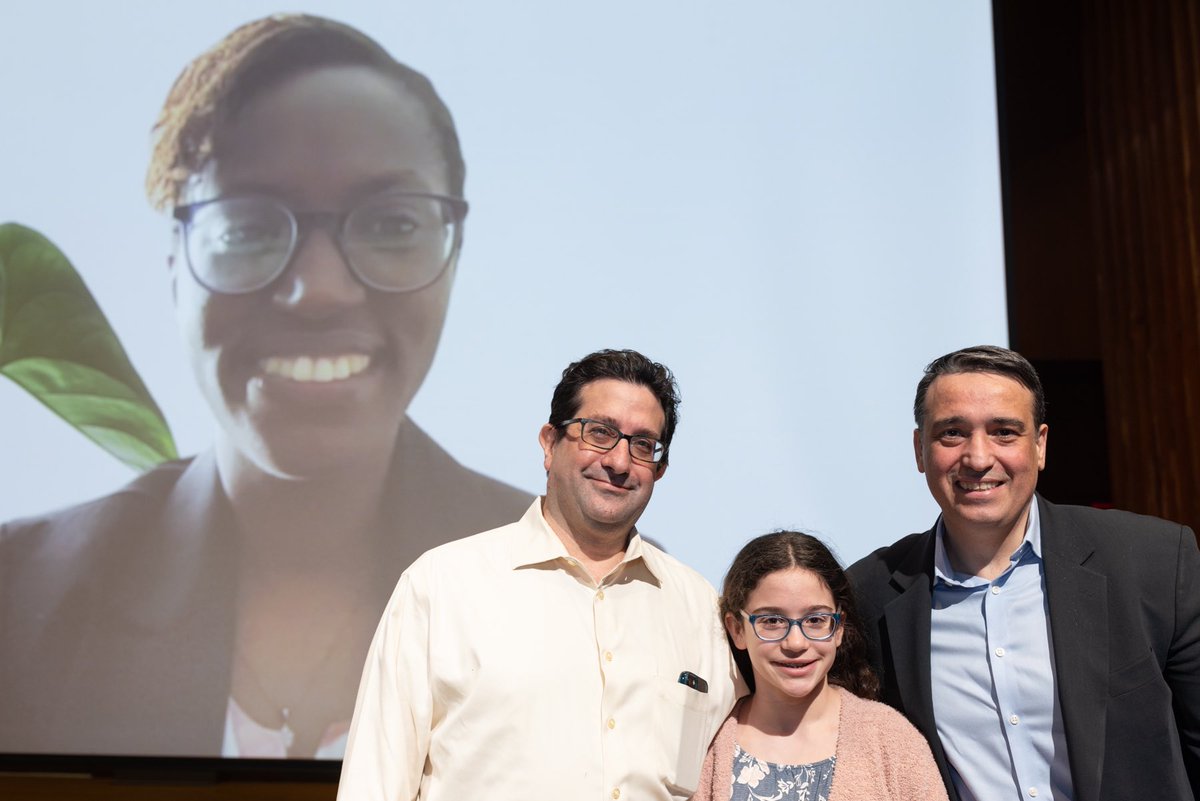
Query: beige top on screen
x=500 y=671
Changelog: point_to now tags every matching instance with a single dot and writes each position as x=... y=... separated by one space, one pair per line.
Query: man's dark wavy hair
x=622 y=365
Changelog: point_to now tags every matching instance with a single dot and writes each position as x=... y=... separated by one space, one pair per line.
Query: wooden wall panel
x=1142 y=79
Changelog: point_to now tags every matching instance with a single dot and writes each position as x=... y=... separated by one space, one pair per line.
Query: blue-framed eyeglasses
x=606 y=436
x=817 y=626
x=393 y=242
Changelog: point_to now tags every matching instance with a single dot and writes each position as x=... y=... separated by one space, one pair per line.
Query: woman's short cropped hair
x=258 y=56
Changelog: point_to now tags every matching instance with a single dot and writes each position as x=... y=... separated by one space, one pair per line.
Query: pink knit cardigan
x=880 y=756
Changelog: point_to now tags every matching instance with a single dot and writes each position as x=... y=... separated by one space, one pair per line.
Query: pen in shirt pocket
x=692 y=680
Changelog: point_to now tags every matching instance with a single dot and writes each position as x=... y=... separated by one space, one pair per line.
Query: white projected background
x=794 y=205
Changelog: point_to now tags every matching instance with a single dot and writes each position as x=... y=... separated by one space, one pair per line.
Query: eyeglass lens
x=606 y=437
x=395 y=242
x=777 y=627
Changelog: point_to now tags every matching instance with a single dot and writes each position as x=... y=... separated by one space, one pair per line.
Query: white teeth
x=980 y=486
x=302 y=369
x=319 y=369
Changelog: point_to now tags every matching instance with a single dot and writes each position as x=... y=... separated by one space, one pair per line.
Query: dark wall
x=1099 y=125
x=1052 y=281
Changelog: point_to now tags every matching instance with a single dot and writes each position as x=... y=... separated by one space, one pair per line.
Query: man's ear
x=917 y=450
x=547 y=436
x=660 y=470
x=1043 y=430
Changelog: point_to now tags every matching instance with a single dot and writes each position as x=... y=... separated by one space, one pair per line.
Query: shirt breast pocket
x=685 y=718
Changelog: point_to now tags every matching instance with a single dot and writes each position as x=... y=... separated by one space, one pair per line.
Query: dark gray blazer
x=117 y=616
x=1124 y=598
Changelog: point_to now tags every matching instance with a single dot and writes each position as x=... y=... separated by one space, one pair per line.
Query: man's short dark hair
x=622 y=365
x=983 y=359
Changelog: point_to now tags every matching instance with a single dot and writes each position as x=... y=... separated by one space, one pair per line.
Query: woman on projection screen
x=222 y=605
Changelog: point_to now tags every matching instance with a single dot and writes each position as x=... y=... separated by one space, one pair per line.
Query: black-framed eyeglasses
x=606 y=436
x=393 y=242
x=817 y=626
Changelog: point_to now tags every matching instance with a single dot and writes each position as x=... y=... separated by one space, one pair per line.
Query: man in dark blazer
x=1045 y=651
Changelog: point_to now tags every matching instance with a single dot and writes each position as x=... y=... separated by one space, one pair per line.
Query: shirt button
x=616 y=793
x=612 y=724
x=999 y=652
x=1014 y=719
x=608 y=656
x=995 y=590
x=1033 y=792
x=600 y=595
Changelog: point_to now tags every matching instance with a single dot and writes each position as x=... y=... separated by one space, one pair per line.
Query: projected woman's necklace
x=316 y=670
x=286 y=733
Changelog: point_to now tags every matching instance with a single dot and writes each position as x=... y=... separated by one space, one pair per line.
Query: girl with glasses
x=810 y=730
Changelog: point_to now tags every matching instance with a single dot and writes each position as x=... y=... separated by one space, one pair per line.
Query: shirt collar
x=539 y=545
x=944 y=572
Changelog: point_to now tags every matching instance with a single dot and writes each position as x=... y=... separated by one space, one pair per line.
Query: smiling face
x=316 y=371
x=594 y=492
x=794 y=669
x=980 y=452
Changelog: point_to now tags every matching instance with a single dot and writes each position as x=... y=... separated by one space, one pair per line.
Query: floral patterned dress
x=757 y=780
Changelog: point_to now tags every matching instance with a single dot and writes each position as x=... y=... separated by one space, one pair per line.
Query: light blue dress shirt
x=994 y=693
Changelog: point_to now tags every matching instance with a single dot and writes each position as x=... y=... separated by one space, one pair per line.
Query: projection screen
x=795 y=206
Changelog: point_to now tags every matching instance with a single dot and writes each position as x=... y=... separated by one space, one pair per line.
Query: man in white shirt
x=562 y=656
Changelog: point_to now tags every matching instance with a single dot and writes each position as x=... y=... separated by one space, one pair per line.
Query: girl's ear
x=736 y=630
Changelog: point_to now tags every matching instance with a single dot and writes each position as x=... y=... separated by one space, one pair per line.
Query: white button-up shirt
x=501 y=670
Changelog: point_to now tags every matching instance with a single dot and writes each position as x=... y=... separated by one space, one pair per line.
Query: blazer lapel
x=1078 y=602
x=176 y=613
x=908 y=635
